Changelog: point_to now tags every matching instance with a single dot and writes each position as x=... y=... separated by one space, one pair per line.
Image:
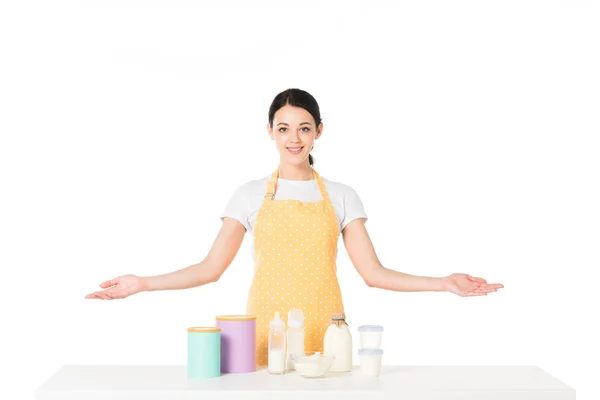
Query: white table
x=395 y=382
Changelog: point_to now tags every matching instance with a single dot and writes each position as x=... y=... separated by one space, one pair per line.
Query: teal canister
x=204 y=352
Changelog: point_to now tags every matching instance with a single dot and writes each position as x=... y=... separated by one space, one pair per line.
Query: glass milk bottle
x=277 y=345
x=295 y=336
x=338 y=343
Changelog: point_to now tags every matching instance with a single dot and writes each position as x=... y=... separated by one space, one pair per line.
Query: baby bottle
x=277 y=345
x=295 y=336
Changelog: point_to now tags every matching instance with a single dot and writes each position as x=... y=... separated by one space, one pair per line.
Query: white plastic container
x=337 y=343
x=277 y=346
x=370 y=336
x=295 y=337
x=370 y=361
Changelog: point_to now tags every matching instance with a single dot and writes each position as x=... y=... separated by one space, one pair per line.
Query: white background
x=469 y=129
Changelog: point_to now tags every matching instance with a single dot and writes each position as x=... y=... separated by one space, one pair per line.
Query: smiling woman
x=294 y=124
x=294 y=218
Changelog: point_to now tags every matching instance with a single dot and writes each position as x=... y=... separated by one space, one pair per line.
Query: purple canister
x=238 y=343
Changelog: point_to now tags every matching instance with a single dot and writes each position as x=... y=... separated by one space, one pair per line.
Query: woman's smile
x=295 y=149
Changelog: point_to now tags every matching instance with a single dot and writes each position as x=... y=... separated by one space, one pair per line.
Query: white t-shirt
x=248 y=198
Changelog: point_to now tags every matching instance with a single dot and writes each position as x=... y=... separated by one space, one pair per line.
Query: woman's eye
x=303 y=129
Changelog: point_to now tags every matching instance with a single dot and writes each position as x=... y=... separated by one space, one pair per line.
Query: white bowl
x=312 y=365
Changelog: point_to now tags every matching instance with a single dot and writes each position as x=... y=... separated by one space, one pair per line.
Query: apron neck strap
x=272 y=185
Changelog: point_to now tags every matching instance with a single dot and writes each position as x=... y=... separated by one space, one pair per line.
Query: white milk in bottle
x=338 y=342
x=277 y=346
x=295 y=337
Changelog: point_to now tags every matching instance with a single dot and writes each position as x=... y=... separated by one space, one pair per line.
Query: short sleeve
x=238 y=207
x=353 y=207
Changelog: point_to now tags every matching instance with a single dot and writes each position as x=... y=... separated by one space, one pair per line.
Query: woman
x=295 y=217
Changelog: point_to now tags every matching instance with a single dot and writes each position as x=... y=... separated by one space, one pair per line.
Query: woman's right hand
x=119 y=288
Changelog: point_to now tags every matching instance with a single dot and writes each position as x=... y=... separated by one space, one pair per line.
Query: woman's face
x=294 y=132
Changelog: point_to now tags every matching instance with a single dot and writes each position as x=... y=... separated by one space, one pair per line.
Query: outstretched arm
x=220 y=256
x=363 y=257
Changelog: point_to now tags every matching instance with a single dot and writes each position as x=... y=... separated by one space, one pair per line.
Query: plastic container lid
x=370 y=328
x=277 y=322
x=370 y=352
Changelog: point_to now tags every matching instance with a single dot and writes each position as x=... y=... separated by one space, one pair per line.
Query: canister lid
x=204 y=329
x=370 y=352
x=236 y=317
x=370 y=328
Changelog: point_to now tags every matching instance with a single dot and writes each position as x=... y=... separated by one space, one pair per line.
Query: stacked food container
x=370 y=351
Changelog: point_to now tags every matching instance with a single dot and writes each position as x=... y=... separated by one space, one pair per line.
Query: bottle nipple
x=277 y=322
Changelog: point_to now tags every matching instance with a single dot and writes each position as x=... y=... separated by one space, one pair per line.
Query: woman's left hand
x=467 y=285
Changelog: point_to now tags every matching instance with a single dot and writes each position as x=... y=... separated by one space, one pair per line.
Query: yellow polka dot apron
x=295 y=249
